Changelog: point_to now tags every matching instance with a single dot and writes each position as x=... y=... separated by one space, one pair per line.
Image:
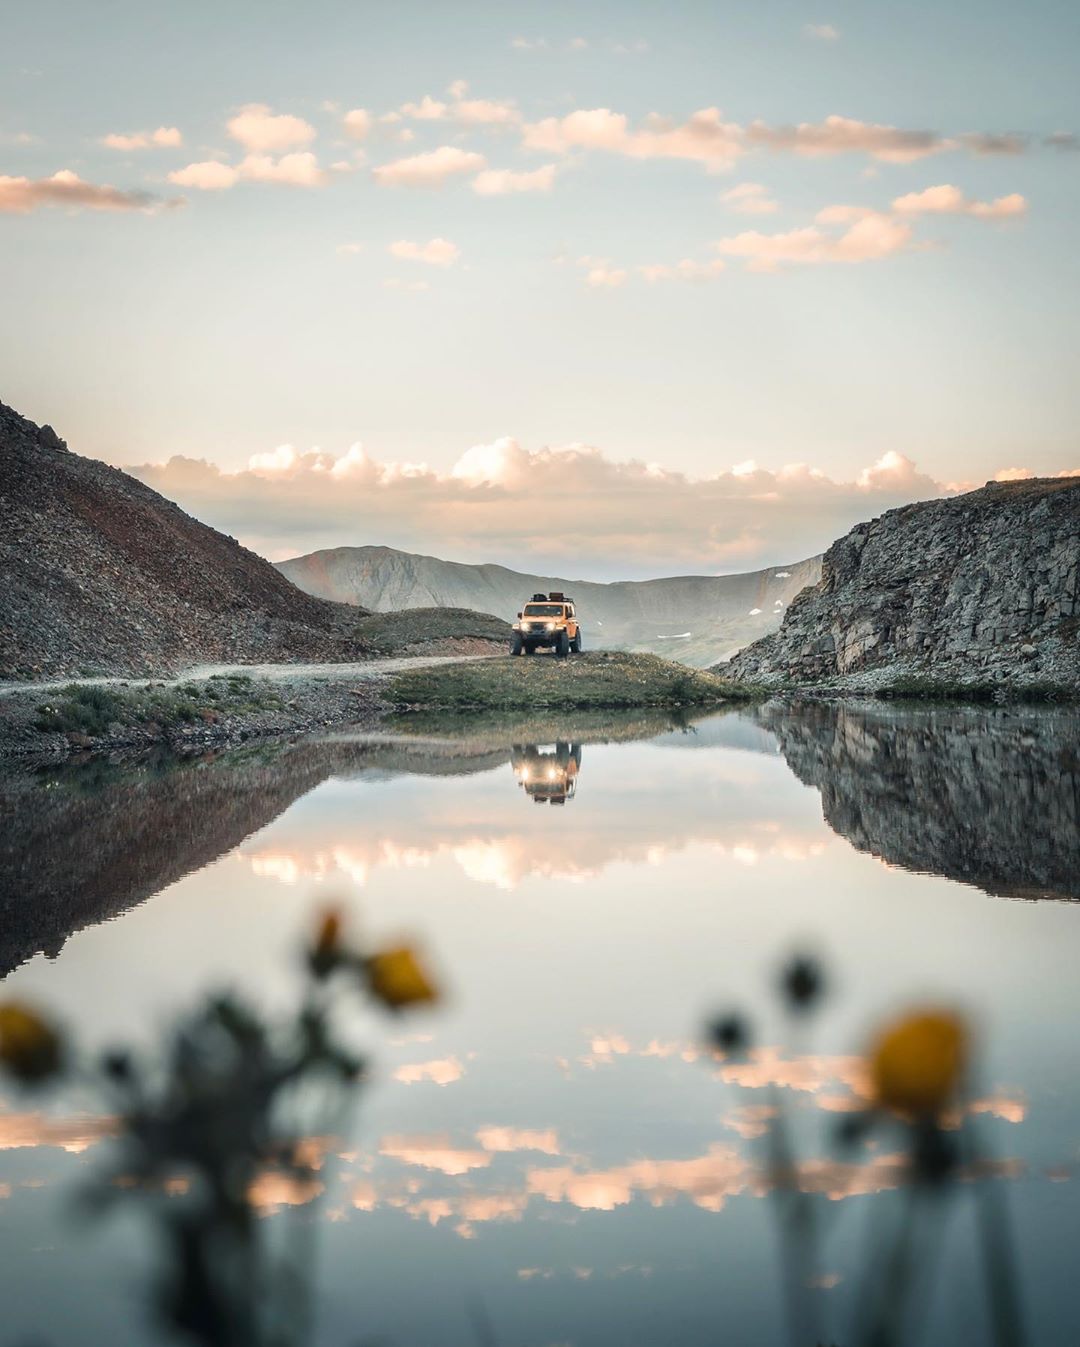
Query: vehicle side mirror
x=519 y=614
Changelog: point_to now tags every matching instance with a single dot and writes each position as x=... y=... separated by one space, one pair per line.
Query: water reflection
x=547 y=773
x=988 y=797
x=556 y=1136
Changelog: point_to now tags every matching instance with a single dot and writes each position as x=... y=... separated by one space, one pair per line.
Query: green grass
x=95 y=711
x=604 y=679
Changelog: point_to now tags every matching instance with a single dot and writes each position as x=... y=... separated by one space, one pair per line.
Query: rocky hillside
x=988 y=797
x=974 y=589
x=100 y=574
x=697 y=619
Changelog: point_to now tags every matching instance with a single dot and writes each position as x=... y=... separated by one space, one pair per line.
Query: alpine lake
x=556 y=1152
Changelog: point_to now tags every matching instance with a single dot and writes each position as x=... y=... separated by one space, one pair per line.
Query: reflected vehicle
x=548 y=772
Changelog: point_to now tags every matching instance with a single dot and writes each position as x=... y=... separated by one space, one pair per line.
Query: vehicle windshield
x=543 y=610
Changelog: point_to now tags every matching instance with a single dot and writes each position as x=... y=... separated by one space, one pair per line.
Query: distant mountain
x=978 y=588
x=98 y=573
x=698 y=619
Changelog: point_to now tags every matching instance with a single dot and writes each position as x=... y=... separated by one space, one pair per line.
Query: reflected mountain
x=547 y=773
x=986 y=797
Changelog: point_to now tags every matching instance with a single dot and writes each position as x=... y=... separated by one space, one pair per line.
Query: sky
x=622 y=289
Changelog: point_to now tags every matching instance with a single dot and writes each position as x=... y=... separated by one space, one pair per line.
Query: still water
x=551 y=1142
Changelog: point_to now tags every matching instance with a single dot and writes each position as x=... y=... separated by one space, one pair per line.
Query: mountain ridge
x=101 y=574
x=721 y=612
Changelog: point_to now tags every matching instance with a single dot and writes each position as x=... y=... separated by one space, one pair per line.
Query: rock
x=952 y=590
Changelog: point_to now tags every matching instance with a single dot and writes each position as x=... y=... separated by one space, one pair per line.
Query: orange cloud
x=434 y=1152
x=615 y=509
x=74 y=1135
x=431 y=169
x=440 y=1071
x=19 y=196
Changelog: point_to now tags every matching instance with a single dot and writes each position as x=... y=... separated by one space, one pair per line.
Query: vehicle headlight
x=516 y=626
x=550 y=626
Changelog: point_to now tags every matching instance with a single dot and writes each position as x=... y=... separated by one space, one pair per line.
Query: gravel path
x=274 y=673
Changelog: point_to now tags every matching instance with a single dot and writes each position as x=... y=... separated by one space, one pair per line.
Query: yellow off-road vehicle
x=547 y=621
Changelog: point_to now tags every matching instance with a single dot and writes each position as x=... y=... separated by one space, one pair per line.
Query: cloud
x=704 y=138
x=686 y=270
x=431 y=169
x=206 y=176
x=821 y=32
x=869 y=239
x=528 y=43
x=506 y=181
x=493 y=504
x=262 y=131
x=427 y=110
x=357 y=123
x=949 y=200
x=750 y=198
x=458 y=89
x=707 y=139
x=843 y=135
x=436 y=252
x=19 y=196
x=466 y=111
x=604 y=277
x=485 y=112
x=989 y=143
x=299 y=169
x=166 y=136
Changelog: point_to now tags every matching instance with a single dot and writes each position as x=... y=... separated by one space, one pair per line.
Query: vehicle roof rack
x=557 y=596
x=538 y=598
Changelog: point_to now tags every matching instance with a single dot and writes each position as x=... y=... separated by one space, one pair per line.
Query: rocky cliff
x=697 y=619
x=987 y=797
x=974 y=589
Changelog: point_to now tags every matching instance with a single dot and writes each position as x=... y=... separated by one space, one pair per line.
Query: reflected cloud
x=33 y=1130
x=440 y=1071
x=273 y=1190
x=708 y=1180
x=507 y=1139
x=434 y=1152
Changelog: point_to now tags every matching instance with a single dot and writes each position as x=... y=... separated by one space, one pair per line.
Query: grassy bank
x=94 y=711
x=601 y=679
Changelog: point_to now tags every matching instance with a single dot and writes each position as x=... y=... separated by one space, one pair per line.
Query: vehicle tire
x=575 y=644
x=516 y=644
x=562 y=645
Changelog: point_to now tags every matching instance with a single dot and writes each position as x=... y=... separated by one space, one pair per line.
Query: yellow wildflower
x=917 y=1062
x=397 y=978
x=29 y=1046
